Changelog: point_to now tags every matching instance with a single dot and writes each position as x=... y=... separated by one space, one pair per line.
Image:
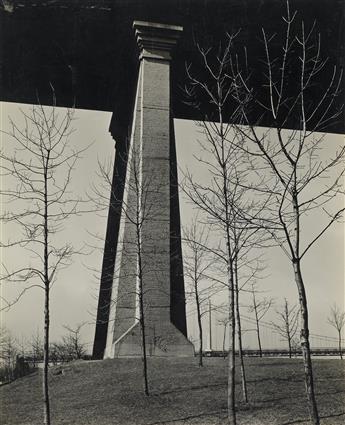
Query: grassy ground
x=110 y=392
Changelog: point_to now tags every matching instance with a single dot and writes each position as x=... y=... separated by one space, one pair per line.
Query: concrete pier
x=148 y=193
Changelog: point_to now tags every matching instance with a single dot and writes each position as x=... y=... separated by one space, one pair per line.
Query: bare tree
x=58 y=353
x=8 y=354
x=224 y=322
x=247 y=268
x=245 y=271
x=259 y=308
x=136 y=214
x=22 y=346
x=337 y=320
x=39 y=174
x=138 y=207
x=72 y=342
x=288 y=164
x=216 y=202
x=287 y=324
x=196 y=264
x=36 y=348
x=239 y=330
x=223 y=199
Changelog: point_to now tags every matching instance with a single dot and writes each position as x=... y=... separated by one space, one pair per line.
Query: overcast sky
x=74 y=296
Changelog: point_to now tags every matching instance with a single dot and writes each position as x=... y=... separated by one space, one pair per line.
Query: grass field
x=110 y=392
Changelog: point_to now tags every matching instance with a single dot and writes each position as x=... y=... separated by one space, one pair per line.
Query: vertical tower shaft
x=148 y=255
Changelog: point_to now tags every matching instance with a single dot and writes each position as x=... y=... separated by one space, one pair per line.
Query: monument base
x=164 y=340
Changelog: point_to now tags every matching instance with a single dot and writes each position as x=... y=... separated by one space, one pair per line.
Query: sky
x=74 y=295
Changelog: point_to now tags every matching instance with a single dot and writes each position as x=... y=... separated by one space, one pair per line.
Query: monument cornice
x=156 y=41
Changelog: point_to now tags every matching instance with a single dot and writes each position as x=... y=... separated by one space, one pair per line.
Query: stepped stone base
x=162 y=341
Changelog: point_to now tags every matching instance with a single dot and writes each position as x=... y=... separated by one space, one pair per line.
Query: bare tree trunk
x=340 y=352
x=224 y=335
x=289 y=339
x=46 y=302
x=288 y=335
x=142 y=317
x=255 y=309
x=308 y=370
x=231 y=368
x=290 y=350
x=259 y=339
x=144 y=356
x=239 y=334
x=197 y=300
x=46 y=359
x=257 y=325
x=210 y=324
x=143 y=343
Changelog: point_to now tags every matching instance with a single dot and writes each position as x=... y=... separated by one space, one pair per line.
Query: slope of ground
x=110 y=392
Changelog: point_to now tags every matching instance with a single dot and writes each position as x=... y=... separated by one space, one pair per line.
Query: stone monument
x=149 y=182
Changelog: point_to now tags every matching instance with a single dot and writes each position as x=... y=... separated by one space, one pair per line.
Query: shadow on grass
x=273 y=364
x=219 y=413
x=275 y=379
x=297 y=397
x=298 y=421
x=330 y=393
x=191 y=388
x=286 y=397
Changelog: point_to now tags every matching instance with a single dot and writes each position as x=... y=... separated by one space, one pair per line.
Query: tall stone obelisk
x=146 y=217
